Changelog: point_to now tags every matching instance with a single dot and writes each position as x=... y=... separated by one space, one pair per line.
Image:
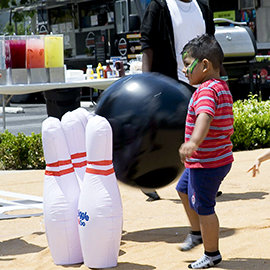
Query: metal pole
x=4 y=111
x=251 y=83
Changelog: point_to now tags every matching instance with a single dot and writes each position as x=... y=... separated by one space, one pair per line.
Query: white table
x=20 y=89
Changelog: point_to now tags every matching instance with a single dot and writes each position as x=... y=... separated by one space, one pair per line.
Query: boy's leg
x=204 y=186
x=193 y=217
x=210 y=232
x=194 y=238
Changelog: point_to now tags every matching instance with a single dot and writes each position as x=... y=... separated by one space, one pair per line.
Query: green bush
x=21 y=152
x=251 y=124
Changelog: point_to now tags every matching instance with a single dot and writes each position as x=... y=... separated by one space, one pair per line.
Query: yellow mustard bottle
x=100 y=71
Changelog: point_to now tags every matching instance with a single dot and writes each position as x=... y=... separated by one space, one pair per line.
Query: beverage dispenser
x=4 y=71
x=16 y=45
x=35 y=59
x=54 y=57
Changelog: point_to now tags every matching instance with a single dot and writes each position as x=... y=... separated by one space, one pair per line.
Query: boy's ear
x=206 y=64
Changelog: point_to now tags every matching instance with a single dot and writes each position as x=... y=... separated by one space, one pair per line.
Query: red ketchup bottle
x=108 y=70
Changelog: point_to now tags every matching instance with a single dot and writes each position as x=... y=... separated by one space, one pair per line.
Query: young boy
x=207 y=151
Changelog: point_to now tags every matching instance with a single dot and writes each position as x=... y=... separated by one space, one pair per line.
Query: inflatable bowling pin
x=73 y=124
x=60 y=198
x=83 y=115
x=100 y=208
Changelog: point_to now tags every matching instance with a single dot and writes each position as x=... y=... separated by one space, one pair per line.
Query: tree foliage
x=15 y=3
x=17 y=17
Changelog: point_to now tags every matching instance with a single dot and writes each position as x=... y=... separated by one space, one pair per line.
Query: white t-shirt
x=188 y=23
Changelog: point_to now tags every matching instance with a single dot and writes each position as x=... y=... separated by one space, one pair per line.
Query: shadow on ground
x=18 y=246
x=232 y=197
x=245 y=264
x=242 y=196
x=169 y=235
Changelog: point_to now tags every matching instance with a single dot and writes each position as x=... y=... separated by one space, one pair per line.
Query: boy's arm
x=200 y=131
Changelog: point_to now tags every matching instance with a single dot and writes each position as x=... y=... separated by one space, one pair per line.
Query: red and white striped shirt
x=214 y=98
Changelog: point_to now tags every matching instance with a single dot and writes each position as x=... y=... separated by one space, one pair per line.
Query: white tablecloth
x=20 y=89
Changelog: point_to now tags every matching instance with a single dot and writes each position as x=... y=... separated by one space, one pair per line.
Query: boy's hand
x=255 y=168
x=200 y=131
x=186 y=150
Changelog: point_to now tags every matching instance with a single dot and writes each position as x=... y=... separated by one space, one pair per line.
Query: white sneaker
x=206 y=262
x=190 y=242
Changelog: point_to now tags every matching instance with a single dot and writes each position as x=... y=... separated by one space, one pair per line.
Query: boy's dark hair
x=204 y=47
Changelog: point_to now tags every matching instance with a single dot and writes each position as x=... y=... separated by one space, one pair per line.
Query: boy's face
x=193 y=70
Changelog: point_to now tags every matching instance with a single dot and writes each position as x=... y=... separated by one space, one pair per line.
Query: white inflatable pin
x=73 y=124
x=83 y=115
x=60 y=196
x=100 y=207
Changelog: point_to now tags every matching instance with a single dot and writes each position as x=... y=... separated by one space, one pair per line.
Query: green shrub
x=21 y=151
x=251 y=124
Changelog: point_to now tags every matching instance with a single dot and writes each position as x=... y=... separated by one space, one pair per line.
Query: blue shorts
x=201 y=186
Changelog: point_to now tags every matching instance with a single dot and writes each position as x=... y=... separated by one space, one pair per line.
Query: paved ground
x=27 y=118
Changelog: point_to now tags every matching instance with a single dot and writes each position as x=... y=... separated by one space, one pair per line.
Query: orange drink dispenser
x=35 y=59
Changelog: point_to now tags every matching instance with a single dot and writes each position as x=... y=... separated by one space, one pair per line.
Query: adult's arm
x=147 y=60
x=149 y=34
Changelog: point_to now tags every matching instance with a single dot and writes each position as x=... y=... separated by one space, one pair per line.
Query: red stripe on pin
x=59 y=173
x=79 y=164
x=100 y=172
x=100 y=162
x=59 y=163
x=78 y=155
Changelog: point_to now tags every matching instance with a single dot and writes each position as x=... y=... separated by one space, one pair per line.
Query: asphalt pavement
x=28 y=118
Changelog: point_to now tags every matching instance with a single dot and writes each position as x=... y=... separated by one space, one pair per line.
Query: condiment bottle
x=99 y=71
x=108 y=70
x=90 y=72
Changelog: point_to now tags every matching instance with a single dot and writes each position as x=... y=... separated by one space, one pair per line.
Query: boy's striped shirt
x=214 y=98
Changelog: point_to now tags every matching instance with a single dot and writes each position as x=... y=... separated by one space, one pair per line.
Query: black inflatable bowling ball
x=147 y=114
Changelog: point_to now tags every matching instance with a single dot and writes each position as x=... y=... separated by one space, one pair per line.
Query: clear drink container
x=35 y=57
x=2 y=53
x=54 y=51
x=54 y=57
x=15 y=47
x=4 y=71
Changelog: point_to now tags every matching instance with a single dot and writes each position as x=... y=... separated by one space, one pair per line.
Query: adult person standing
x=166 y=27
